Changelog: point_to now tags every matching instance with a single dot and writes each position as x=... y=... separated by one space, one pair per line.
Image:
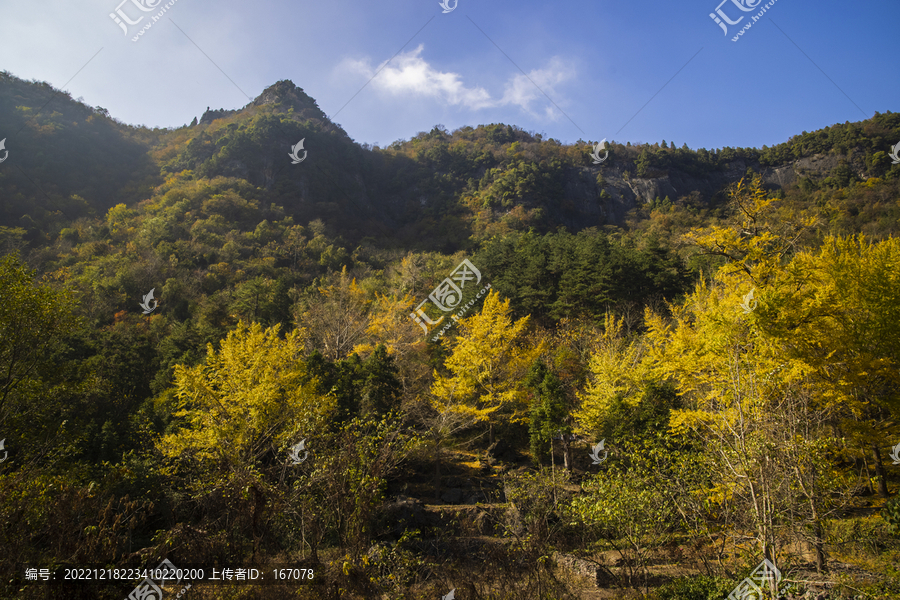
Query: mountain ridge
x=487 y=179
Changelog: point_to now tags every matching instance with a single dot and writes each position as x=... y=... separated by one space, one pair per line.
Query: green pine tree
x=548 y=410
x=382 y=387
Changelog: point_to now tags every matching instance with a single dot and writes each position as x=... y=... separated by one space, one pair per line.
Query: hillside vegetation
x=726 y=321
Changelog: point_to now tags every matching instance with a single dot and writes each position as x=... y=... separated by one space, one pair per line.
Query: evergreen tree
x=381 y=388
x=548 y=409
x=320 y=369
x=348 y=384
x=642 y=163
x=342 y=380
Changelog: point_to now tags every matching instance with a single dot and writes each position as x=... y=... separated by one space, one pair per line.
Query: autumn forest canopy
x=726 y=321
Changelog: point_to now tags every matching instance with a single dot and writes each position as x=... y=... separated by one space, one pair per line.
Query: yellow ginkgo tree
x=787 y=389
x=759 y=236
x=764 y=409
x=732 y=384
x=487 y=366
x=840 y=313
x=617 y=371
x=246 y=399
x=337 y=317
x=389 y=324
x=240 y=411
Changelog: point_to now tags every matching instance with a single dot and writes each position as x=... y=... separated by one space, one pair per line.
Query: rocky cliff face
x=584 y=205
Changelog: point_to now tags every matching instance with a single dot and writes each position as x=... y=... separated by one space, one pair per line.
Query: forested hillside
x=441 y=190
x=472 y=360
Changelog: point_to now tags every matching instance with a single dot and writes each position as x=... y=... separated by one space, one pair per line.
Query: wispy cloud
x=521 y=90
x=410 y=74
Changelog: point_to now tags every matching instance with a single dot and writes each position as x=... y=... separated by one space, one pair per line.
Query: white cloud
x=522 y=91
x=410 y=74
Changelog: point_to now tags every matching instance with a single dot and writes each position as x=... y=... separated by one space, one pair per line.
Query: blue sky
x=635 y=71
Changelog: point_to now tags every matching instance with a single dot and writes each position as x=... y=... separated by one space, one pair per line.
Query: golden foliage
x=247 y=399
x=487 y=363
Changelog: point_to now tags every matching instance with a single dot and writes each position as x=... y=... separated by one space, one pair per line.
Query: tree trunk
x=437 y=469
x=259 y=504
x=767 y=554
x=552 y=456
x=567 y=454
x=818 y=533
x=879 y=472
x=821 y=566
